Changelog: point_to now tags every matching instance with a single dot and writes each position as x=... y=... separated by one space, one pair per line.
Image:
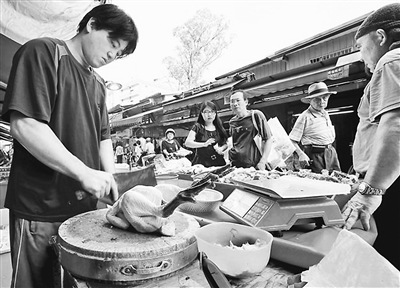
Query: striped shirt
x=380 y=96
x=313 y=127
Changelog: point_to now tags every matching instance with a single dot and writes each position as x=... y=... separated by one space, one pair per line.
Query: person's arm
x=267 y=149
x=303 y=157
x=164 y=149
x=177 y=144
x=191 y=143
x=220 y=150
x=43 y=144
x=166 y=153
x=107 y=162
x=266 y=133
x=296 y=135
x=107 y=156
x=384 y=169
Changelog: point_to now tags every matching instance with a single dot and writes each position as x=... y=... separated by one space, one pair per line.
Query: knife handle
x=80 y=195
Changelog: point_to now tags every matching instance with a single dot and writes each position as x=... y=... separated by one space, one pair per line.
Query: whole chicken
x=143 y=208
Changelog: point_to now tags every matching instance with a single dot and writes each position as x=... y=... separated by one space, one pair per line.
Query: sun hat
x=317 y=90
x=386 y=18
x=169 y=130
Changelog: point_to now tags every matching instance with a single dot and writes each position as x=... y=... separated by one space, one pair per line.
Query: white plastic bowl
x=206 y=201
x=167 y=179
x=214 y=240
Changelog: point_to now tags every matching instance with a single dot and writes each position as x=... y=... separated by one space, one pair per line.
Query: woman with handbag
x=246 y=128
x=208 y=137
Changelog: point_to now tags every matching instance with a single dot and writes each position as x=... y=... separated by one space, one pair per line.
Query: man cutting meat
x=55 y=103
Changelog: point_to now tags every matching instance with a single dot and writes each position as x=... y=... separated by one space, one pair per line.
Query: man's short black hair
x=113 y=19
x=246 y=95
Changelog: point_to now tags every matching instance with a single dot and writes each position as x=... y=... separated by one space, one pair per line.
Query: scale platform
x=278 y=204
x=274 y=214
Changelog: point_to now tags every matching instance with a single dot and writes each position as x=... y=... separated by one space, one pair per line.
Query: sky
x=258 y=29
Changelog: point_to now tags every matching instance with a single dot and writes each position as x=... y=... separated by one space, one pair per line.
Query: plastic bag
x=352 y=262
x=282 y=146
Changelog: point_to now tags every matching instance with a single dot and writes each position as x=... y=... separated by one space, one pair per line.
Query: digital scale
x=260 y=206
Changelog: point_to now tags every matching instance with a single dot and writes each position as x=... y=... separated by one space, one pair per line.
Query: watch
x=365 y=189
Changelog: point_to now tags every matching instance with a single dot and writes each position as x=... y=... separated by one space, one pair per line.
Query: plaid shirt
x=313 y=127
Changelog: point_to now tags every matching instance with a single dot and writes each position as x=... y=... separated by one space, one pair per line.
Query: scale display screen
x=247 y=206
x=240 y=202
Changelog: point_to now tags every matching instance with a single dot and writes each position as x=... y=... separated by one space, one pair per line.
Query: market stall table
x=89 y=256
x=274 y=275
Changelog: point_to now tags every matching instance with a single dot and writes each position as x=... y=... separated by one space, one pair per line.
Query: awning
x=307 y=78
x=291 y=82
x=342 y=68
x=133 y=120
x=348 y=59
x=212 y=94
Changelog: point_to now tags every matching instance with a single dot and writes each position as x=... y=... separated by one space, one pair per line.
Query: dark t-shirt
x=244 y=152
x=207 y=156
x=170 y=147
x=48 y=84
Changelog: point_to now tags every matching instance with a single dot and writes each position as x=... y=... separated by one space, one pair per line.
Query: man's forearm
x=384 y=166
x=107 y=156
x=43 y=144
x=297 y=147
x=267 y=151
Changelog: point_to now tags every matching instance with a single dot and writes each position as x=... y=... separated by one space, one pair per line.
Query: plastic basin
x=214 y=240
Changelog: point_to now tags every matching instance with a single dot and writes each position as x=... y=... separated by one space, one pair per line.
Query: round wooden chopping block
x=91 y=248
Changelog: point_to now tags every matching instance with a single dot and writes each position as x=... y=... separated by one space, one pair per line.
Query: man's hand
x=260 y=166
x=304 y=159
x=263 y=166
x=100 y=184
x=218 y=149
x=360 y=207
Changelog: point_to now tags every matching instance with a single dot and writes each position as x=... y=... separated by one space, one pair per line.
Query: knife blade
x=126 y=181
x=214 y=276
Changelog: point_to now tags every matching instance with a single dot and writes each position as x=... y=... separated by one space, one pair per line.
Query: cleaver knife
x=125 y=181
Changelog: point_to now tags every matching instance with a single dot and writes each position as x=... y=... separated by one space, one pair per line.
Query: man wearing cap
x=314 y=130
x=376 y=149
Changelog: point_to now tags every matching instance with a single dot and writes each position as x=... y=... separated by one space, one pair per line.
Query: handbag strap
x=254 y=121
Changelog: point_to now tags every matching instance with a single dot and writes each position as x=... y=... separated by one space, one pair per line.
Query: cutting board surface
x=91 y=248
x=91 y=233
